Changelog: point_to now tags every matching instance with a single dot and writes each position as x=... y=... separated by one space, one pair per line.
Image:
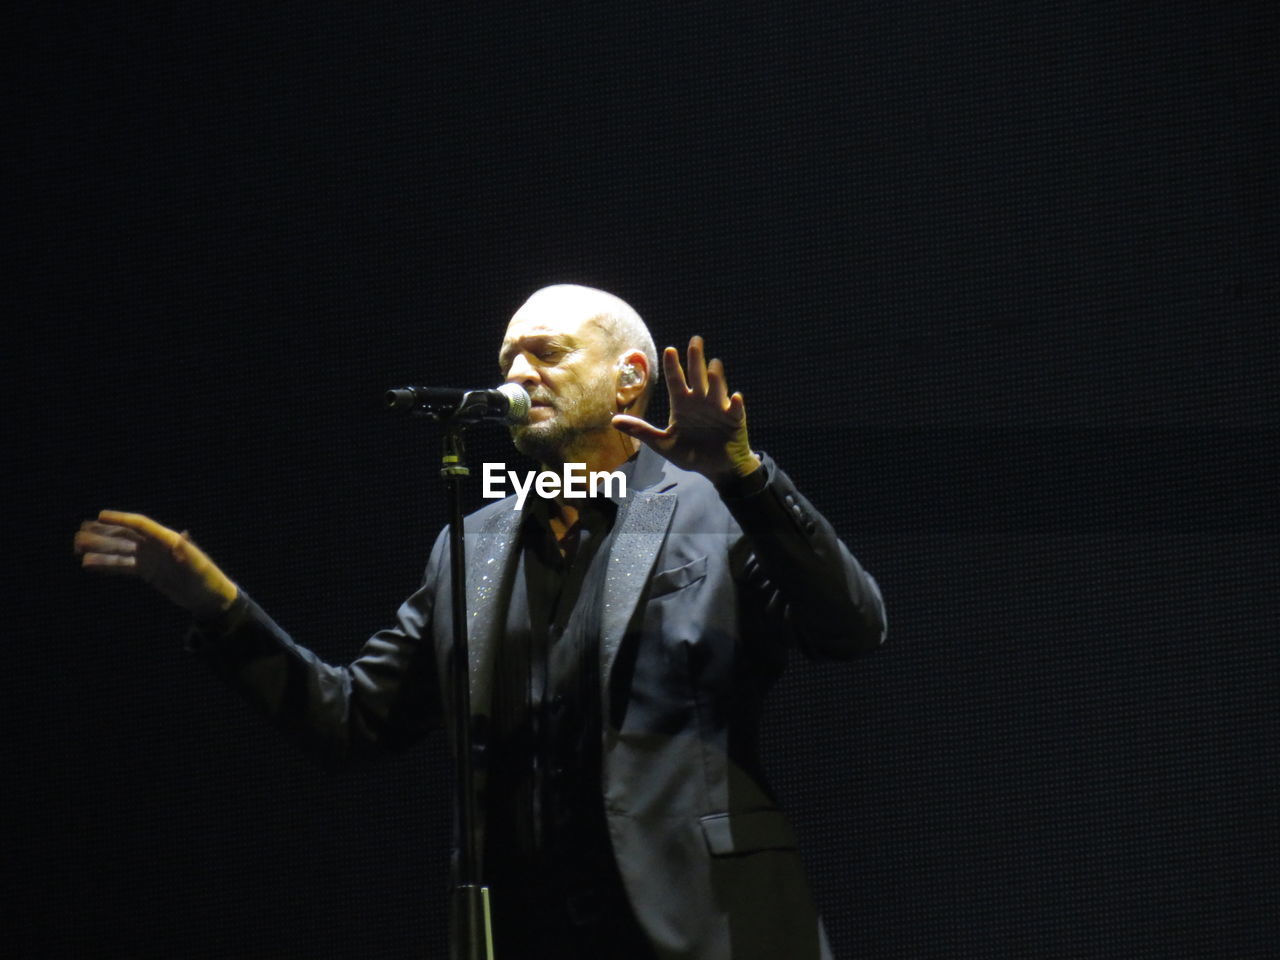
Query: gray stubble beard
x=553 y=442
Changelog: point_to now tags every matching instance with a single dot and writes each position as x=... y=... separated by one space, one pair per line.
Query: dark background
x=998 y=279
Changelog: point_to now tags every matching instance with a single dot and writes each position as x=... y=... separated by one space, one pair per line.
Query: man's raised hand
x=132 y=545
x=707 y=427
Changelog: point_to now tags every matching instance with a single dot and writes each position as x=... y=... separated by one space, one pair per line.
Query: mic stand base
x=472 y=934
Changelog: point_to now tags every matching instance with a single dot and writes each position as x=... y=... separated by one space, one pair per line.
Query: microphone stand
x=471 y=930
x=471 y=936
x=471 y=933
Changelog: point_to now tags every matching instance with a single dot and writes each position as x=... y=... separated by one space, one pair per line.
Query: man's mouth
x=537 y=405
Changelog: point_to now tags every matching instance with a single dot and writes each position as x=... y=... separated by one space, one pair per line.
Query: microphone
x=508 y=403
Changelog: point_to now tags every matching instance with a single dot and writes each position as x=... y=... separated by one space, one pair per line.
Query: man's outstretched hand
x=707 y=429
x=132 y=545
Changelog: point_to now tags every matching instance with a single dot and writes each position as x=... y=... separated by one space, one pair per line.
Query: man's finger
x=640 y=429
x=717 y=388
x=677 y=386
x=109 y=563
x=139 y=524
x=88 y=541
x=697 y=366
x=110 y=530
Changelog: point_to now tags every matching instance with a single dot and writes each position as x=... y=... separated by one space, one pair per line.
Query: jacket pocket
x=728 y=834
x=668 y=581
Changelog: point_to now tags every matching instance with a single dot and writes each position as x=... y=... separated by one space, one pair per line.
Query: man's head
x=583 y=355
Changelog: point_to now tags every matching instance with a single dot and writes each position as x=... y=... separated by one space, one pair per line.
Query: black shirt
x=546 y=833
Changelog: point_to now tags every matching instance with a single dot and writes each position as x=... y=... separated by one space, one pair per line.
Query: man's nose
x=522 y=372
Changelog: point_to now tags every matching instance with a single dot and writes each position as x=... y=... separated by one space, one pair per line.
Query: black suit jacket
x=705 y=595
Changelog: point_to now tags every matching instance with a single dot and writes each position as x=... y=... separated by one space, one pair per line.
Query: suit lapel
x=490 y=552
x=642 y=530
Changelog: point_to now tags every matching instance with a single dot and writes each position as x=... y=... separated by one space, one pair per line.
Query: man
x=620 y=648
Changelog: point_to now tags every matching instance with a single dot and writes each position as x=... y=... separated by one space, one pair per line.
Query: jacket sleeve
x=382 y=701
x=806 y=574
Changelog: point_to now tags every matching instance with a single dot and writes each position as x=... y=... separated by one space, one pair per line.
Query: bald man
x=621 y=648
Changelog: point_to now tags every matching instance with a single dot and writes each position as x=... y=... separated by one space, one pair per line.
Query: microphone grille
x=517 y=402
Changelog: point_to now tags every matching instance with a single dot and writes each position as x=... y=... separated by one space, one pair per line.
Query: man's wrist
x=743 y=478
x=215 y=605
x=739 y=461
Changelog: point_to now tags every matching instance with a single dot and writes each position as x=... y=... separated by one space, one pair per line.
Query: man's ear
x=632 y=378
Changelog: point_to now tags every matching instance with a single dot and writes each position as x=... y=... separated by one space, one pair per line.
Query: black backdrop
x=998 y=280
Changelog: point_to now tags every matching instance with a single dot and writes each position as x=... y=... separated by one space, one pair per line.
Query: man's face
x=556 y=352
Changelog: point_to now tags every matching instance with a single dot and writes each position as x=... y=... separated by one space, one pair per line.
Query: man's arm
x=792 y=557
x=382 y=700
x=795 y=558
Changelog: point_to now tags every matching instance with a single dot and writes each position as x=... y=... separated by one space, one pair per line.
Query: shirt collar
x=541 y=507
